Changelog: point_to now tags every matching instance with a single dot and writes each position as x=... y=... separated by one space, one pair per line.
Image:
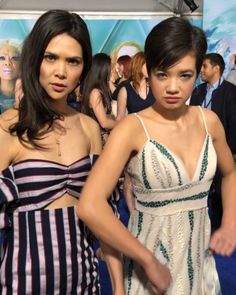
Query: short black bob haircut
x=171 y=40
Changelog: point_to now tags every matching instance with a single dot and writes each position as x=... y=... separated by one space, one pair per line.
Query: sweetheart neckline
x=48 y=161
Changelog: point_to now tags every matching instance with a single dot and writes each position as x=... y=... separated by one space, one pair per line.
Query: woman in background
x=47 y=154
x=97 y=94
x=122 y=68
x=135 y=95
x=9 y=71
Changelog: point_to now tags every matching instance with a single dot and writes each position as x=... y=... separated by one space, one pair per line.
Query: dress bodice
x=160 y=179
x=33 y=184
x=39 y=182
x=171 y=217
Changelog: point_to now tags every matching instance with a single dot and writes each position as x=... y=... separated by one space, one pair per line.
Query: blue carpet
x=226 y=266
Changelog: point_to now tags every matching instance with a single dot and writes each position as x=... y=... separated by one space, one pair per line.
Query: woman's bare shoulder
x=88 y=124
x=129 y=125
x=95 y=92
x=210 y=116
x=212 y=120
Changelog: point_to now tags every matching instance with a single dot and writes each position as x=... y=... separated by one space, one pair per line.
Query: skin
x=9 y=68
x=60 y=72
x=95 y=100
x=123 y=95
x=210 y=73
x=181 y=129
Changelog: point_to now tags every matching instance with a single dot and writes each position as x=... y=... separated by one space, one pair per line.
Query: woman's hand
x=158 y=275
x=223 y=240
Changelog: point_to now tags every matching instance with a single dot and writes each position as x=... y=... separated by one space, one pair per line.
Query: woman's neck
x=170 y=114
x=62 y=107
x=8 y=87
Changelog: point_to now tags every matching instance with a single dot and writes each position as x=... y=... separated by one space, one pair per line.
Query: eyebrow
x=52 y=53
x=187 y=70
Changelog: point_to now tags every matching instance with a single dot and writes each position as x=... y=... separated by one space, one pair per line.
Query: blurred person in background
x=9 y=71
x=136 y=94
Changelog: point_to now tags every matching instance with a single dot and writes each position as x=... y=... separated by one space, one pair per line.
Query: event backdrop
x=219 y=23
x=112 y=36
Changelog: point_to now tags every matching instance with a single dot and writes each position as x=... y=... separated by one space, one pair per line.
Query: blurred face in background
x=119 y=69
x=144 y=71
x=209 y=73
x=9 y=62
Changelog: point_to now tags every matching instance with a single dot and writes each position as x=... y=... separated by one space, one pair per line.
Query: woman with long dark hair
x=97 y=94
x=46 y=154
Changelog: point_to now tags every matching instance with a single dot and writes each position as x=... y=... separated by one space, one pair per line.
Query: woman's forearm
x=229 y=199
x=106 y=226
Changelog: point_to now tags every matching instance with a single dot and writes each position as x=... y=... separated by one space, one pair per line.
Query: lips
x=172 y=99
x=7 y=70
x=58 y=87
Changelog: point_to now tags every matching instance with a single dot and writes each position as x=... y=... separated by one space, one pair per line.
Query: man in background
x=218 y=95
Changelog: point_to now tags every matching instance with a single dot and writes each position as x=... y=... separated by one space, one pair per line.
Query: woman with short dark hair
x=170 y=151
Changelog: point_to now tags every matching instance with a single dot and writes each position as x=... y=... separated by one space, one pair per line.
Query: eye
x=75 y=61
x=15 y=58
x=2 y=57
x=49 y=57
x=160 y=75
x=186 y=76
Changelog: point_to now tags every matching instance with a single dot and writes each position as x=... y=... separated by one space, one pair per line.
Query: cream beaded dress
x=171 y=218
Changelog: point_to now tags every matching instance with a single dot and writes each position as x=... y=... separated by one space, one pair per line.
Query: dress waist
x=159 y=202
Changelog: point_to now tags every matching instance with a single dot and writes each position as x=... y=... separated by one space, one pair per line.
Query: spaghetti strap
x=144 y=127
x=204 y=119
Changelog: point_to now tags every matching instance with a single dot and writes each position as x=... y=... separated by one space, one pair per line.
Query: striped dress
x=45 y=251
x=171 y=218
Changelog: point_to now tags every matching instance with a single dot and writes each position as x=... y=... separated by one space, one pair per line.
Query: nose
x=8 y=61
x=202 y=70
x=172 y=86
x=60 y=70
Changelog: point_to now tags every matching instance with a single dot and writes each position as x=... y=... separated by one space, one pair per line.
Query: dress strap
x=204 y=119
x=144 y=127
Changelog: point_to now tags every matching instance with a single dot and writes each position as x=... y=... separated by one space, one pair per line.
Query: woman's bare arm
x=121 y=104
x=94 y=210
x=96 y=104
x=223 y=241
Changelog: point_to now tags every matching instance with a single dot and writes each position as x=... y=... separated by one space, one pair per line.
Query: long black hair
x=98 y=77
x=171 y=40
x=35 y=112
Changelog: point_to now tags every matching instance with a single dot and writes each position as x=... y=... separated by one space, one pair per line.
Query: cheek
x=42 y=76
x=43 y=72
x=188 y=89
x=15 y=66
x=157 y=89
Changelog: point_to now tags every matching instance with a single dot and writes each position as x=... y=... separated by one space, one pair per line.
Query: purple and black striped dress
x=45 y=251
